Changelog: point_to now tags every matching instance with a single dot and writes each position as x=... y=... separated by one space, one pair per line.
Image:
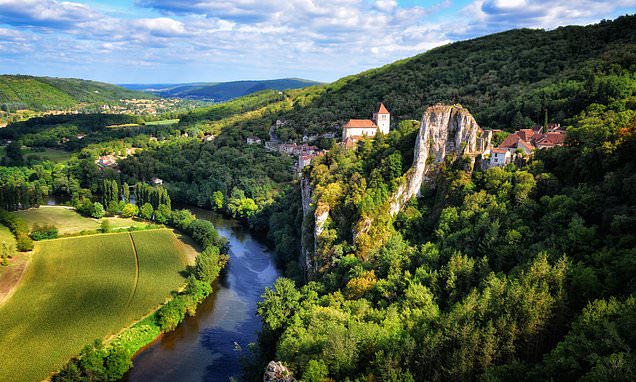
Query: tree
x=105 y=226
x=146 y=211
x=5 y=253
x=126 y=191
x=98 y=211
x=113 y=208
x=162 y=214
x=217 y=200
x=130 y=210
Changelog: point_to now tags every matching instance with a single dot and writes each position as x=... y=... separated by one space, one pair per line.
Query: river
x=207 y=347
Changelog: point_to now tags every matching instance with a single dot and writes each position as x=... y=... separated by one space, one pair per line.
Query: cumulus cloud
x=44 y=13
x=322 y=39
x=541 y=13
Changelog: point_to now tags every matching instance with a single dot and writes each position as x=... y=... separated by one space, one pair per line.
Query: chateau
x=359 y=128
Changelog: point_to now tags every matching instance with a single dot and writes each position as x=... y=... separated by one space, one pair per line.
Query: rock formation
x=277 y=372
x=313 y=219
x=446 y=132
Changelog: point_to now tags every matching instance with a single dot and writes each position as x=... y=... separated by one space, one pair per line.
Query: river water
x=208 y=347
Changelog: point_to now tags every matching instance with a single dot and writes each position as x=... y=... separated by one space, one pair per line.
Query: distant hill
x=508 y=80
x=219 y=91
x=49 y=93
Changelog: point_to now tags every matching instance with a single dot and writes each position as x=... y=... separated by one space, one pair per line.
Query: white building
x=360 y=128
x=499 y=157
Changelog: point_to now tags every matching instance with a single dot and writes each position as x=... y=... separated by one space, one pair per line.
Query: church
x=359 y=128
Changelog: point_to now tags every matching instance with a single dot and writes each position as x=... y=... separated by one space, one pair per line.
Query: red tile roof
x=499 y=151
x=510 y=141
x=382 y=109
x=359 y=123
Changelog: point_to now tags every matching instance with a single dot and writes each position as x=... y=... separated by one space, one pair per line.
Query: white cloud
x=328 y=37
x=44 y=13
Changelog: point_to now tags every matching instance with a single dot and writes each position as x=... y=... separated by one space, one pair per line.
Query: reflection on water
x=203 y=348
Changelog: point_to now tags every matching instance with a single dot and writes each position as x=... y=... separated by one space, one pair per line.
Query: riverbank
x=209 y=345
x=208 y=265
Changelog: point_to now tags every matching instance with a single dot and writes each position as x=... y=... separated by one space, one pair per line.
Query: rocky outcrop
x=277 y=372
x=313 y=225
x=446 y=133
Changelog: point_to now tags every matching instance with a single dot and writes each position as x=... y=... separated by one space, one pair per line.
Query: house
x=209 y=138
x=106 y=161
x=156 y=181
x=304 y=161
x=360 y=128
x=499 y=157
x=253 y=141
x=550 y=140
x=520 y=140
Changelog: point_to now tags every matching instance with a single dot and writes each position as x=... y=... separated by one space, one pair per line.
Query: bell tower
x=382 y=118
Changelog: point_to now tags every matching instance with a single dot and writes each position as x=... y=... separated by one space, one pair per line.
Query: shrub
x=172 y=313
x=43 y=232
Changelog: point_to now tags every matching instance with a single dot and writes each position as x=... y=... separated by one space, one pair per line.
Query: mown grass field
x=68 y=221
x=6 y=235
x=162 y=122
x=53 y=155
x=79 y=289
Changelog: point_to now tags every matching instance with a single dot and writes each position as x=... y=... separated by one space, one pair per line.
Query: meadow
x=53 y=155
x=79 y=289
x=68 y=221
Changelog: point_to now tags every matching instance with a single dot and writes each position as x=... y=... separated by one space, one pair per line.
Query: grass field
x=163 y=122
x=53 y=155
x=79 y=289
x=6 y=235
x=68 y=221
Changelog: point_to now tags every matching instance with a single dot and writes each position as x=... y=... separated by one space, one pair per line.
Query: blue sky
x=170 y=41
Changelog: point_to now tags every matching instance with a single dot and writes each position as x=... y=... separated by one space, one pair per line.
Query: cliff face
x=446 y=132
x=312 y=226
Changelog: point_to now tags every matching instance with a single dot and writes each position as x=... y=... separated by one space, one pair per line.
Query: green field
x=68 y=221
x=6 y=235
x=79 y=289
x=163 y=122
x=56 y=156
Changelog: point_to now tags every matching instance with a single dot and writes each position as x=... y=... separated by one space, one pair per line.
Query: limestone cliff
x=446 y=133
x=313 y=225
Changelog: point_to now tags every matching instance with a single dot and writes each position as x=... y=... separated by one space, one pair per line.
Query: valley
x=463 y=214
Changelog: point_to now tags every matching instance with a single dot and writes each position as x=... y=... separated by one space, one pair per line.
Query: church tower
x=382 y=118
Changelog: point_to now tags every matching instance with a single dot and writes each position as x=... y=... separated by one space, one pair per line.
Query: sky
x=176 y=41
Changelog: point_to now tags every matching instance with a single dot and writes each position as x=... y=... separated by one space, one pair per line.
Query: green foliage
x=130 y=210
x=43 y=232
x=146 y=211
x=105 y=226
x=46 y=93
x=98 y=210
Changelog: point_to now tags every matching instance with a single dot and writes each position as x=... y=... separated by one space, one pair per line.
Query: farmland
x=68 y=221
x=79 y=289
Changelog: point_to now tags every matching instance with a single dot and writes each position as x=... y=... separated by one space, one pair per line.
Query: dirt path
x=132 y=295
x=11 y=275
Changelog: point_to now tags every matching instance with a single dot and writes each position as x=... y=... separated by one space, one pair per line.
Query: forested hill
x=49 y=93
x=222 y=91
x=508 y=80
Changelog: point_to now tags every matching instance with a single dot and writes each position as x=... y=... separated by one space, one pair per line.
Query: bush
x=24 y=242
x=98 y=210
x=172 y=313
x=43 y=232
x=129 y=210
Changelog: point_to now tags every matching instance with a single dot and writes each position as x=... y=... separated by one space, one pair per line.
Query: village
x=515 y=147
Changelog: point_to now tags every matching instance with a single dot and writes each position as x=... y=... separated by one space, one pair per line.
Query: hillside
x=509 y=80
x=49 y=93
x=220 y=91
